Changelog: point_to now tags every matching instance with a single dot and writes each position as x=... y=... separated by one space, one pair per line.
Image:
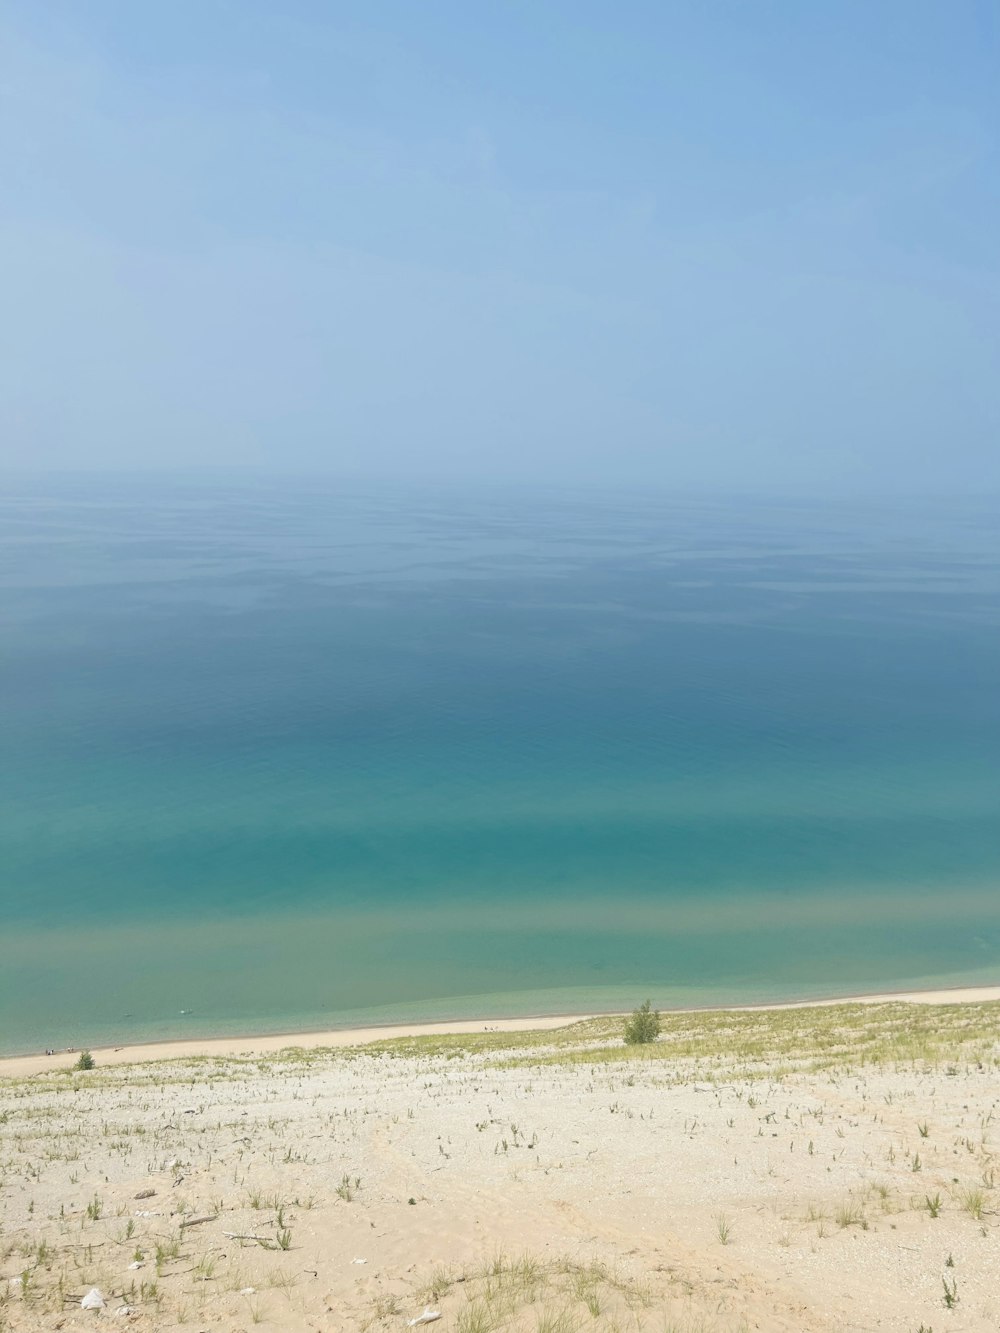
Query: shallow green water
x=290 y=755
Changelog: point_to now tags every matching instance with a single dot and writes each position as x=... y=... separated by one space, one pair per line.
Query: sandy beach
x=824 y=1167
x=20 y=1065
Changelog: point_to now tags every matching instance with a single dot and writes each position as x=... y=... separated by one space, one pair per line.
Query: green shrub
x=643 y=1027
x=86 y=1061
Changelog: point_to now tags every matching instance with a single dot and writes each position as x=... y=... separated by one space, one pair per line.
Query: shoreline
x=20 y=1066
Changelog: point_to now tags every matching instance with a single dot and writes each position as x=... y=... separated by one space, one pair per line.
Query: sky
x=748 y=244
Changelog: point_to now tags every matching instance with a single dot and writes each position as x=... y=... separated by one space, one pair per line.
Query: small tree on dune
x=86 y=1061
x=643 y=1027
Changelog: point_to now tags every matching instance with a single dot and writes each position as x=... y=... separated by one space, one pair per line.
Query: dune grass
x=710 y=1044
x=538 y=1295
x=810 y=1038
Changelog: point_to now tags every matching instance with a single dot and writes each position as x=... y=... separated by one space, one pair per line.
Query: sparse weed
x=974 y=1203
x=551 y=1321
x=437 y=1285
x=849 y=1215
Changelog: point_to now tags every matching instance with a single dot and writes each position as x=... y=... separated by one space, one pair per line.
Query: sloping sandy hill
x=806 y=1169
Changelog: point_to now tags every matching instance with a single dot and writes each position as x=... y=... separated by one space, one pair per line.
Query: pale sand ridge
x=19 y=1065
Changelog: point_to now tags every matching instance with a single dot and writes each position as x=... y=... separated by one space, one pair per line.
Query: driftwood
x=197 y=1221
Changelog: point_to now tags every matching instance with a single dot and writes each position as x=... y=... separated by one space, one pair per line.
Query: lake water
x=286 y=754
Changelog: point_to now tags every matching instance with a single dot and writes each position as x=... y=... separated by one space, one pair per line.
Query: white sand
x=711 y=1188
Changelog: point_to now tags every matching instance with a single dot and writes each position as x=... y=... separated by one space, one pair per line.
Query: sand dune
x=20 y=1065
x=821 y=1168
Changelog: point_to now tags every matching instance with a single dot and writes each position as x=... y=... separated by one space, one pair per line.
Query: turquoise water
x=289 y=754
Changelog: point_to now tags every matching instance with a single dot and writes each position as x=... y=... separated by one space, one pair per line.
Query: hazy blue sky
x=754 y=243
